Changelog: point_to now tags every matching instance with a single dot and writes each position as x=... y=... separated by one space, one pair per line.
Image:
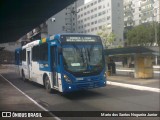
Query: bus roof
x=83 y=34
x=54 y=37
x=34 y=43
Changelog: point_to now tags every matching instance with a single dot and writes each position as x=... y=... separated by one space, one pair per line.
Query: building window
x=108 y=4
x=92 y=23
x=99 y=0
x=100 y=27
x=99 y=14
x=99 y=7
x=118 y=4
x=104 y=12
x=108 y=18
x=95 y=2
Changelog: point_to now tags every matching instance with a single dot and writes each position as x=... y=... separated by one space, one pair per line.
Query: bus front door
x=29 y=64
x=54 y=65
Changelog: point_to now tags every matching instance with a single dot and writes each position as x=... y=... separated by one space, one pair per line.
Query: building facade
x=90 y=18
x=95 y=14
x=137 y=12
x=65 y=20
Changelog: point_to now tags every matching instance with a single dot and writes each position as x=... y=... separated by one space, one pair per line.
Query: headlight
x=66 y=78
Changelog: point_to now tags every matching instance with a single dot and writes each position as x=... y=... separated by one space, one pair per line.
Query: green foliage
x=107 y=36
x=144 y=35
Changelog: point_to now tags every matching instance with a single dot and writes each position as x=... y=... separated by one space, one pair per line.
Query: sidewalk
x=154 y=83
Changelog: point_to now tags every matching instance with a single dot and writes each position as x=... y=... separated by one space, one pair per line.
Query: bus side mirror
x=59 y=50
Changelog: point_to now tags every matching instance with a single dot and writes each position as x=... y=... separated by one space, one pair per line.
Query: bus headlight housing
x=66 y=78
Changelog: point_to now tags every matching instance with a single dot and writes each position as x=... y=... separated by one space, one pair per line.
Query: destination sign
x=81 y=39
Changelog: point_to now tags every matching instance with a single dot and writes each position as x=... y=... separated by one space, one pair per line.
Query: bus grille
x=89 y=83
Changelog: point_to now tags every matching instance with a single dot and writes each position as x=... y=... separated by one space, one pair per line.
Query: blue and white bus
x=65 y=62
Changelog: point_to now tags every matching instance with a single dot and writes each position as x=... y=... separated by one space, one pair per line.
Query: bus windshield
x=83 y=58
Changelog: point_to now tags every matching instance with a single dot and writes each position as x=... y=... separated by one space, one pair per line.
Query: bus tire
x=47 y=84
x=23 y=76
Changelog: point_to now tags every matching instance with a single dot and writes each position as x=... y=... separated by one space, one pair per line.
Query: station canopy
x=133 y=50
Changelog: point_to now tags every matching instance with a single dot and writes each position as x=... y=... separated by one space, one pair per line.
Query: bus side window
x=44 y=52
x=35 y=53
x=24 y=55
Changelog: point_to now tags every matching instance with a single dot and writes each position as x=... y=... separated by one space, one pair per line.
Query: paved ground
x=110 y=98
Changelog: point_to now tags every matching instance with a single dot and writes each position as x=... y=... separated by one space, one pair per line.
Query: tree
x=144 y=35
x=107 y=36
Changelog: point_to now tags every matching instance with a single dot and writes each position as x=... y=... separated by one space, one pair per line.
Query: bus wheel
x=47 y=84
x=23 y=76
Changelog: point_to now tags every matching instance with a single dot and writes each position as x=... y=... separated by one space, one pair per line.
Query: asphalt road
x=109 y=98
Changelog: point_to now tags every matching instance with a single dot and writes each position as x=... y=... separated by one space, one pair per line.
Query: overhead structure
x=1 y=48
x=132 y=51
x=18 y=17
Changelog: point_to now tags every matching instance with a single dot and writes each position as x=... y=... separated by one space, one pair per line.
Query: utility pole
x=155 y=34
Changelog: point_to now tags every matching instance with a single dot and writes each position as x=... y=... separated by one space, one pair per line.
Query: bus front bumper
x=83 y=86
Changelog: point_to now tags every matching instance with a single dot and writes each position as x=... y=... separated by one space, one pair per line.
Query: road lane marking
x=36 y=103
x=136 y=87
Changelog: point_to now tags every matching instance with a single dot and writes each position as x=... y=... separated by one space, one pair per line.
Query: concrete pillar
x=143 y=66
